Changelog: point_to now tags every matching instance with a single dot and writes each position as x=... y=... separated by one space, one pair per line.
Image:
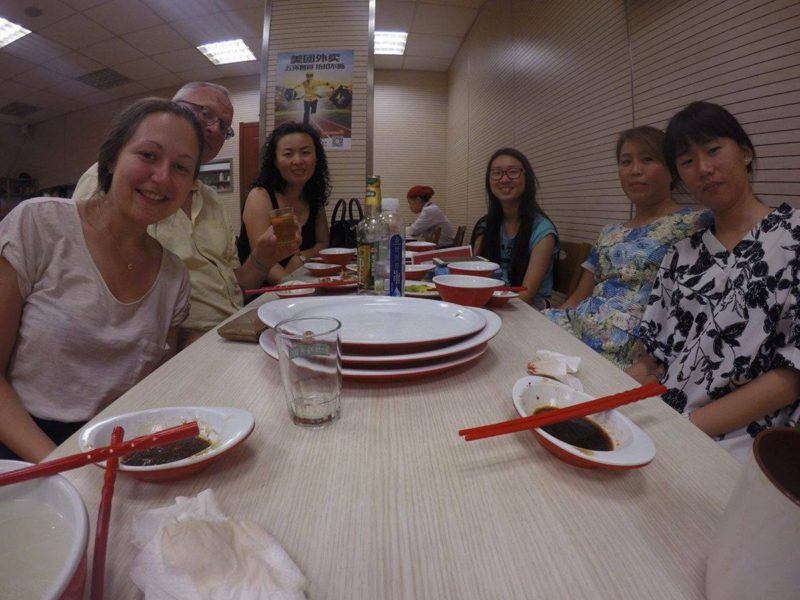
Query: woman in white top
x=91 y=303
x=430 y=217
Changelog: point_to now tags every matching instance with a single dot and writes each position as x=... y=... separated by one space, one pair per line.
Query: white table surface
x=389 y=502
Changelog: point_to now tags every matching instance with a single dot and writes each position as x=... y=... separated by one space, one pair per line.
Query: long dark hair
x=317 y=189
x=125 y=125
x=698 y=123
x=529 y=210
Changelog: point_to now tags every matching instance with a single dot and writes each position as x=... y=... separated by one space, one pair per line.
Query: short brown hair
x=648 y=137
x=125 y=125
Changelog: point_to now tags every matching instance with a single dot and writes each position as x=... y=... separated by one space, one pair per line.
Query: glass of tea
x=282 y=220
x=310 y=360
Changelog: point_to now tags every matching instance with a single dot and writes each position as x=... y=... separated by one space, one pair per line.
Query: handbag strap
x=358 y=206
x=342 y=203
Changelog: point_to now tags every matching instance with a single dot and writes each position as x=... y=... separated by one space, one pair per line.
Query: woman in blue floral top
x=606 y=307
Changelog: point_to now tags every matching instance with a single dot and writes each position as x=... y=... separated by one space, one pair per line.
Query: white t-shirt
x=79 y=348
x=430 y=217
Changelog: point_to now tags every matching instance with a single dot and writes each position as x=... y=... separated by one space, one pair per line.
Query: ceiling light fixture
x=390 y=42
x=230 y=51
x=10 y=32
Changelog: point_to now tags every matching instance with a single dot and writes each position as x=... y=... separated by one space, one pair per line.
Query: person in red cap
x=430 y=217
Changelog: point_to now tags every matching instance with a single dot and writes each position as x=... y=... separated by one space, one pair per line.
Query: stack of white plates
x=386 y=338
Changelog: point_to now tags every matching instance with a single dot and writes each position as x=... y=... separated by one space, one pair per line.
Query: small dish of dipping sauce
x=607 y=440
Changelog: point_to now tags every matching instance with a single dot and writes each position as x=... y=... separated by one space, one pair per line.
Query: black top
x=308 y=232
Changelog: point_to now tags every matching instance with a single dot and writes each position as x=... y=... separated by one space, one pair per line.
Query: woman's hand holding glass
x=267 y=250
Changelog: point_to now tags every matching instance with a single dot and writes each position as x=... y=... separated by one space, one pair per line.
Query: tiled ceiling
x=152 y=44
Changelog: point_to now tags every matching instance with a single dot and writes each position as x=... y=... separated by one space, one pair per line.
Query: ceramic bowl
x=501 y=298
x=420 y=246
x=417 y=272
x=467 y=290
x=473 y=267
x=63 y=576
x=224 y=427
x=337 y=256
x=323 y=269
x=633 y=448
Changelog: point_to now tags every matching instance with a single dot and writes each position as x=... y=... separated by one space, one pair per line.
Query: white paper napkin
x=557 y=366
x=191 y=550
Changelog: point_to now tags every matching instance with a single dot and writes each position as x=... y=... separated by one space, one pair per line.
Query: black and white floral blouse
x=718 y=319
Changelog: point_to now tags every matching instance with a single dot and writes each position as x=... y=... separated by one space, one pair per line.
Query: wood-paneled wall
x=332 y=25
x=558 y=79
x=410 y=141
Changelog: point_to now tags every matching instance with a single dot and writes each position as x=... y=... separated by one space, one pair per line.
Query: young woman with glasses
x=518 y=235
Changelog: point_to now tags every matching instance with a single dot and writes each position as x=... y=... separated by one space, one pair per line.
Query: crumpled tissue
x=557 y=366
x=191 y=550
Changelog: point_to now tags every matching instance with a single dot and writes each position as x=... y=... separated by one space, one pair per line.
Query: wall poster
x=316 y=87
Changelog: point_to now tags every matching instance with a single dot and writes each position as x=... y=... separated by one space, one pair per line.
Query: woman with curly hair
x=294 y=173
x=722 y=326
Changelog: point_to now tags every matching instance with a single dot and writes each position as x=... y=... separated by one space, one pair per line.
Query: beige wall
x=410 y=146
x=559 y=78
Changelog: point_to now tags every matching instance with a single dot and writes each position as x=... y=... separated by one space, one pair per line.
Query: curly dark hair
x=318 y=188
x=529 y=209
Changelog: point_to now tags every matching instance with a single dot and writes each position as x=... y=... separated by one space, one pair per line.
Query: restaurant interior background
x=557 y=79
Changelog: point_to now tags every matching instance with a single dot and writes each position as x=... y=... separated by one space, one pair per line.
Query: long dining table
x=389 y=502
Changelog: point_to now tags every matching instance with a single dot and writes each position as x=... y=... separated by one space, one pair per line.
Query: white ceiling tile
x=35 y=48
x=434 y=46
x=45 y=99
x=247 y=22
x=77 y=90
x=124 y=16
x=12 y=65
x=12 y=90
x=443 y=20
x=156 y=40
x=112 y=52
x=386 y=61
x=169 y=80
x=74 y=65
x=76 y=32
x=83 y=4
x=8 y=120
x=175 y=10
x=182 y=60
x=234 y=4
x=129 y=89
x=424 y=63
x=143 y=68
x=391 y=15
x=209 y=73
x=52 y=11
x=250 y=67
x=40 y=78
x=209 y=28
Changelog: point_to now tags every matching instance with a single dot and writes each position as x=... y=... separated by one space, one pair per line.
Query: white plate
x=386 y=373
x=426 y=266
x=632 y=447
x=224 y=427
x=431 y=293
x=493 y=325
x=382 y=323
x=295 y=293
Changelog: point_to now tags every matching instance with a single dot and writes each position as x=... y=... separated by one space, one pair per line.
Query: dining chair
x=458 y=238
x=434 y=234
x=567 y=266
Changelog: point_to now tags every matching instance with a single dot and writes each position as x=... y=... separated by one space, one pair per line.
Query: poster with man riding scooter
x=316 y=87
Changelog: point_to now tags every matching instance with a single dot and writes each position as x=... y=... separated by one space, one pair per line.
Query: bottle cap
x=390 y=204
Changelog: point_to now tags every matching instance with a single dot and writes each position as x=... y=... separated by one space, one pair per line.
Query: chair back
x=458 y=239
x=434 y=234
x=567 y=265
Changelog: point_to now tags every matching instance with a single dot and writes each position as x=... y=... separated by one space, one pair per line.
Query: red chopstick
x=75 y=461
x=304 y=286
x=563 y=414
x=103 y=517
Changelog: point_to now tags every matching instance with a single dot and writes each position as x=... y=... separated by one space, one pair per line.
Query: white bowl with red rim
x=501 y=298
x=47 y=538
x=323 y=269
x=417 y=272
x=473 y=267
x=467 y=290
x=337 y=256
x=417 y=246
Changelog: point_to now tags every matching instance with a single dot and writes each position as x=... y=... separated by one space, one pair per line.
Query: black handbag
x=343 y=223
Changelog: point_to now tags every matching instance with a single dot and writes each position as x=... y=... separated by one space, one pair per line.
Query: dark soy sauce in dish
x=580 y=432
x=166 y=453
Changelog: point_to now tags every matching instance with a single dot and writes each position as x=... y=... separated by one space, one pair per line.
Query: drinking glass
x=310 y=359
x=283 y=225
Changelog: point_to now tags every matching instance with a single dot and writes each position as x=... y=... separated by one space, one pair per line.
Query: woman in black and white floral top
x=722 y=325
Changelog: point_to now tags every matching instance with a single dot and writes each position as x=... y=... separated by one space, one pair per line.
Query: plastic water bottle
x=394 y=248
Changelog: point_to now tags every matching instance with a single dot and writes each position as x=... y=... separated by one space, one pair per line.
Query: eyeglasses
x=207 y=116
x=512 y=173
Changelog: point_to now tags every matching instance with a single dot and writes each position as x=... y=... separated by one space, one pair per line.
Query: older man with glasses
x=199 y=234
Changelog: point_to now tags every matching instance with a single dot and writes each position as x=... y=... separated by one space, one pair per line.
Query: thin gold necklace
x=102 y=230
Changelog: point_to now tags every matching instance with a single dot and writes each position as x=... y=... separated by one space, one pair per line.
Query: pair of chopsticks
x=103 y=518
x=563 y=414
x=305 y=286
